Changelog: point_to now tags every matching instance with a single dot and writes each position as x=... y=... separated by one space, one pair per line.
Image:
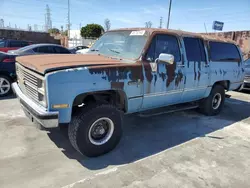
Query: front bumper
x=247 y=83
x=34 y=111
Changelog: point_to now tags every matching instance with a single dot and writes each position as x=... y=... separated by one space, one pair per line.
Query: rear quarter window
x=220 y=51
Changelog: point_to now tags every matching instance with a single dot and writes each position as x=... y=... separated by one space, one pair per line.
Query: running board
x=167 y=110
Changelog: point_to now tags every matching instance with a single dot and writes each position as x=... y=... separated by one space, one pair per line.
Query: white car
x=82 y=51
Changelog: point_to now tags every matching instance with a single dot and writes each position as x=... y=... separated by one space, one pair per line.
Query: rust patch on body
x=179 y=78
x=117 y=85
x=170 y=69
x=148 y=71
x=195 y=74
x=199 y=75
x=117 y=73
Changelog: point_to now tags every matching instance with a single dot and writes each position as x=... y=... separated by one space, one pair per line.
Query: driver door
x=163 y=82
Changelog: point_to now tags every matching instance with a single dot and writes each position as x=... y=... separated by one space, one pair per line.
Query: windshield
x=121 y=44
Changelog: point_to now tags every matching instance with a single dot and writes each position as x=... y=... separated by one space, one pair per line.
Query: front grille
x=247 y=78
x=28 y=82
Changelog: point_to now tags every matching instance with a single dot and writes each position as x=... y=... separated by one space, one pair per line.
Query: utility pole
x=205 y=27
x=48 y=22
x=1 y=23
x=68 y=19
x=169 y=12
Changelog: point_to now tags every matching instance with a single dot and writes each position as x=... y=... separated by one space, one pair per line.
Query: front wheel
x=5 y=86
x=96 y=130
x=214 y=103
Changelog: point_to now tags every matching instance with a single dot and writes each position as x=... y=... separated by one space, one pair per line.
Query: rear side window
x=220 y=51
x=60 y=50
x=24 y=43
x=45 y=49
x=16 y=44
x=194 y=49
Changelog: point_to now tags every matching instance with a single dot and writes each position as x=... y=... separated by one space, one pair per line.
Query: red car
x=10 y=44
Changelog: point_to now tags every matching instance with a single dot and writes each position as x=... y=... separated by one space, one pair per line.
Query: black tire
x=81 y=123
x=207 y=105
x=8 y=81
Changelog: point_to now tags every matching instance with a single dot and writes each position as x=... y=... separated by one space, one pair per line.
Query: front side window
x=220 y=51
x=121 y=44
x=194 y=49
x=15 y=44
x=167 y=44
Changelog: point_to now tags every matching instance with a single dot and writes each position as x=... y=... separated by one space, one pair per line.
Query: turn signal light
x=60 y=106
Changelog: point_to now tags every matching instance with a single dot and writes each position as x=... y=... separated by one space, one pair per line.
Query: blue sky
x=187 y=15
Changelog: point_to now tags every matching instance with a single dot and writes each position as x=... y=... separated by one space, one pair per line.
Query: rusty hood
x=47 y=63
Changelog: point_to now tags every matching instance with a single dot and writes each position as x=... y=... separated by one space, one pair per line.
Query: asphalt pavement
x=182 y=149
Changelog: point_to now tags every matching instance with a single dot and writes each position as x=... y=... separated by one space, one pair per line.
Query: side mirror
x=168 y=58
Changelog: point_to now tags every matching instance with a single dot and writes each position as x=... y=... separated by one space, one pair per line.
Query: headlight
x=41 y=92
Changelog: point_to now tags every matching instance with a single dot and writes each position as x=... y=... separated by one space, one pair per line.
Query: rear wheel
x=214 y=103
x=5 y=85
x=96 y=130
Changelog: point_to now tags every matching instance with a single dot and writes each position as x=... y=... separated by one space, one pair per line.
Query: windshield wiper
x=114 y=51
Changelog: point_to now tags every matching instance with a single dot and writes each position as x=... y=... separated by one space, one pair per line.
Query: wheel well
x=6 y=74
x=224 y=83
x=114 y=97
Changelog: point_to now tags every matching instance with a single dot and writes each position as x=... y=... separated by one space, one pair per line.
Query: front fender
x=62 y=87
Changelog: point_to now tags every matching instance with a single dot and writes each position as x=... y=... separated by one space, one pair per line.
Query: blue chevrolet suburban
x=134 y=70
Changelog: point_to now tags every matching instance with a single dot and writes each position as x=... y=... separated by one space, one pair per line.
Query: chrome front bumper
x=34 y=111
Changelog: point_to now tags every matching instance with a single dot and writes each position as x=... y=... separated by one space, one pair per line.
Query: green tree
x=54 y=31
x=92 y=31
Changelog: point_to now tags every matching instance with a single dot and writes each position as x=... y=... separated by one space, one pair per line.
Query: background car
x=40 y=49
x=82 y=51
x=10 y=44
x=7 y=62
x=7 y=73
x=247 y=74
x=76 y=48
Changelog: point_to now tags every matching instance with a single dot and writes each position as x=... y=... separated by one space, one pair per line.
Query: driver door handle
x=180 y=65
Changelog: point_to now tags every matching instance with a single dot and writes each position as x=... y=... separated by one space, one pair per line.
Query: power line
x=35 y=5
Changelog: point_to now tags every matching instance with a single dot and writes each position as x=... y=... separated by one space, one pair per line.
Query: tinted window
x=15 y=44
x=194 y=49
x=25 y=43
x=223 y=52
x=164 y=44
x=45 y=49
x=60 y=50
x=2 y=44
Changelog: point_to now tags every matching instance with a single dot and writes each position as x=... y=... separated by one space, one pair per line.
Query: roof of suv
x=180 y=33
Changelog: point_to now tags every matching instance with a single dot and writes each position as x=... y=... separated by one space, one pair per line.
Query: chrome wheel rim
x=101 y=131
x=216 y=101
x=4 y=86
